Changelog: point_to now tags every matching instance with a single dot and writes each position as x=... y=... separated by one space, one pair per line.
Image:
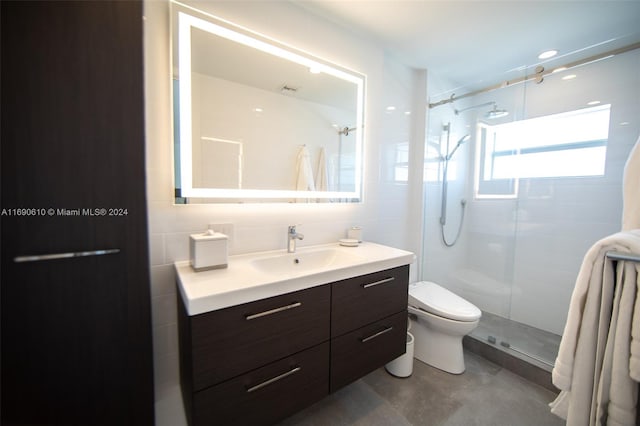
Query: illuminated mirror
x=259 y=121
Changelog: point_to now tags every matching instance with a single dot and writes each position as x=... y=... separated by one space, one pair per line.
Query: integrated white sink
x=256 y=276
x=305 y=261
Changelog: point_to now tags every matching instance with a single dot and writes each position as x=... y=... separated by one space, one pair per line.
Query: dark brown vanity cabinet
x=268 y=394
x=229 y=342
x=259 y=362
x=361 y=300
x=368 y=323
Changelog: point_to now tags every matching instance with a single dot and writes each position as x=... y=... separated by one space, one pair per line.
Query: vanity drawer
x=268 y=394
x=361 y=300
x=356 y=354
x=232 y=341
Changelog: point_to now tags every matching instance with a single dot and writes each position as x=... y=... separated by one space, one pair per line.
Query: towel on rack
x=321 y=172
x=634 y=362
x=304 y=173
x=631 y=190
x=617 y=392
x=584 y=366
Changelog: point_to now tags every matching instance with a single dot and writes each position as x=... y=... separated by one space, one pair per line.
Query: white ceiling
x=472 y=44
x=235 y=62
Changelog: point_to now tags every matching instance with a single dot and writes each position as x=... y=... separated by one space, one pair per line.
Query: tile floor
x=485 y=395
x=531 y=344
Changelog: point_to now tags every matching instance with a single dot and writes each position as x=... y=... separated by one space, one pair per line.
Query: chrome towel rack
x=615 y=255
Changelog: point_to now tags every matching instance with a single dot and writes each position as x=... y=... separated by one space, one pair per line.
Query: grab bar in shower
x=615 y=255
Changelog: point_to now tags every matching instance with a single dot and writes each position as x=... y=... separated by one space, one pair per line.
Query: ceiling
x=472 y=44
x=249 y=66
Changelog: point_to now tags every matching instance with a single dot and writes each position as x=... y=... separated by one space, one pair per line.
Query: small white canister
x=208 y=251
x=355 y=233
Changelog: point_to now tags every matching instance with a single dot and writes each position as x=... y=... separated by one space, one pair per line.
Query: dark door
x=75 y=332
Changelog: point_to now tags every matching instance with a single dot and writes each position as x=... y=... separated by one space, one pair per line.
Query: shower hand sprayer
x=462 y=140
x=463 y=202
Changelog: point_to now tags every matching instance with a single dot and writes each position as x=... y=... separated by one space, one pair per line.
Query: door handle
x=69 y=255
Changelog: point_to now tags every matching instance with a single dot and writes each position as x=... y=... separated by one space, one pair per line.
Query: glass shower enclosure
x=536 y=182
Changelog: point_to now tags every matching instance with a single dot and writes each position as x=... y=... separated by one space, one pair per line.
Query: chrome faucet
x=292 y=236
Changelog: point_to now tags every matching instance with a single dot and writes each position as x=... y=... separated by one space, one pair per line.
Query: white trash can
x=403 y=365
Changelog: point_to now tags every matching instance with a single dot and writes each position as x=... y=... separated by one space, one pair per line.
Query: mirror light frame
x=185 y=23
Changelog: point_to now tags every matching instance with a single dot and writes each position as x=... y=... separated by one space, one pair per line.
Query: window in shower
x=401 y=163
x=561 y=145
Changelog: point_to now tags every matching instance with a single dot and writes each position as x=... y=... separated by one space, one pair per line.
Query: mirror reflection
x=256 y=120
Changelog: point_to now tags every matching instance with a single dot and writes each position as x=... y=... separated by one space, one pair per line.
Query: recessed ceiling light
x=569 y=77
x=258 y=109
x=593 y=103
x=391 y=108
x=548 y=54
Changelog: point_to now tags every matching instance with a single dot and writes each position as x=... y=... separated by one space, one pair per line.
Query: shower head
x=462 y=140
x=496 y=113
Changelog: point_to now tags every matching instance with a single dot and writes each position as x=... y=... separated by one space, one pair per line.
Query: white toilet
x=443 y=319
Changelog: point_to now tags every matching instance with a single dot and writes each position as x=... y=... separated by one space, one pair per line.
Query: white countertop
x=242 y=282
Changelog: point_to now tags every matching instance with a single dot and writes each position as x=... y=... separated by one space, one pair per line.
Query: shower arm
x=458 y=111
x=345 y=130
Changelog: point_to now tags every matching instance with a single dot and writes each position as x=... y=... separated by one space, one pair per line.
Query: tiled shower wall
x=519 y=257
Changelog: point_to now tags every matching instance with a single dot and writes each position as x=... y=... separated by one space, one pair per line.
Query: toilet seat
x=437 y=300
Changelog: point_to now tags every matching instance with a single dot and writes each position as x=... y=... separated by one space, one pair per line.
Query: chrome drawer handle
x=40 y=257
x=373 y=336
x=386 y=280
x=273 y=311
x=273 y=380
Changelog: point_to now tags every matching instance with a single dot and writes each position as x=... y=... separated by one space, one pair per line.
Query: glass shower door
x=540 y=185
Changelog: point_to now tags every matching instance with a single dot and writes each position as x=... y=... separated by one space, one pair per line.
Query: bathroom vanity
x=274 y=333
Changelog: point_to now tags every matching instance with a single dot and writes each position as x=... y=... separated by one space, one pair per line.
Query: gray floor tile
x=528 y=341
x=356 y=404
x=484 y=395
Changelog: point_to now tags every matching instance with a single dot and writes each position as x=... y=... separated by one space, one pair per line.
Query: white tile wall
x=383 y=214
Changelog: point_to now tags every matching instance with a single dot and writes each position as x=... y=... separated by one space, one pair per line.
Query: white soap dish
x=349 y=242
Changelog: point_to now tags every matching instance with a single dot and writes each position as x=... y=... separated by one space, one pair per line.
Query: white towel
x=584 y=338
x=304 y=173
x=585 y=362
x=617 y=392
x=631 y=220
x=321 y=172
x=634 y=361
x=631 y=190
